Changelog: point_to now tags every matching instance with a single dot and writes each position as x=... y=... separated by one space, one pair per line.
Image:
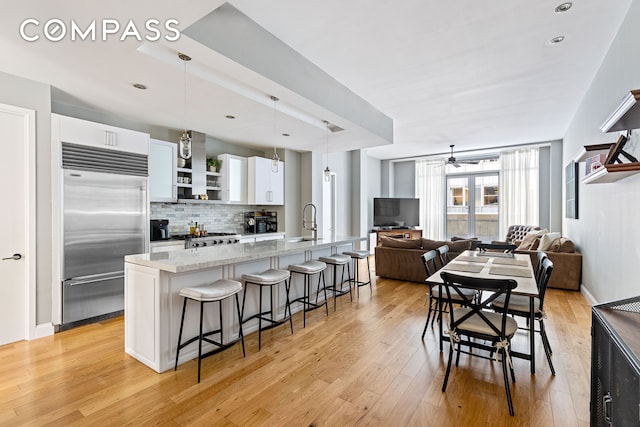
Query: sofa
x=402 y=258
x=567 y=263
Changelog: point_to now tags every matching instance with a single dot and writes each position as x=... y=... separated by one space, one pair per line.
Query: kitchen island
x=153 y=280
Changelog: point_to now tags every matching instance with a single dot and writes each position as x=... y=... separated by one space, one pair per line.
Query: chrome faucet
x=314 y=222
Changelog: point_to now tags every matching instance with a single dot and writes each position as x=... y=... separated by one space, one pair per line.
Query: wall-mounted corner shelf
x=592 y=150
x=612 y=173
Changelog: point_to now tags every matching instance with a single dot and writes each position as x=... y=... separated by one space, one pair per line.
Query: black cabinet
x=615 y=367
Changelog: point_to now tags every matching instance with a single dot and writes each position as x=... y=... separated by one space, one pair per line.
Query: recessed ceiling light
x=139 y=86
x=564 y=7
x=285 y=134
x=230 y=117
x=556 y=40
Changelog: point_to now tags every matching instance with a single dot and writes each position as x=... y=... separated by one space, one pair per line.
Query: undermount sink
x=302 y=239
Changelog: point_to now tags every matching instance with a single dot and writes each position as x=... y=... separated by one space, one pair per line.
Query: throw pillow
x=429 y=244
x=392 y=242
x=562 y=244
x=529 y=240
x=566 y=245
x=459 y=245
x=555 y=245
x=546 y=239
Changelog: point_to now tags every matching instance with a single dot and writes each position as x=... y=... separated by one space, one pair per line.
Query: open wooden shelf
x=612 y=173
x=592 y=150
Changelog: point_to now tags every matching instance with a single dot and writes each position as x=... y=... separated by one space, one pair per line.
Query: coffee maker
x=159 y=229
x=260 y=222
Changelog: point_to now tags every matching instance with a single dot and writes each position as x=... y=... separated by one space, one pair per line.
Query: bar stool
x=268 y=278
x=308 y=269
x=356 y=256
x=336 y=260
x=214 y=292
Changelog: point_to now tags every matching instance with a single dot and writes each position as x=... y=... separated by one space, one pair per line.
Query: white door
x=17 y=134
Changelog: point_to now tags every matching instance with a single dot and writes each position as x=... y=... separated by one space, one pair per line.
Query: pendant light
x=184 y=146
x=275 y=159
x=327 y=171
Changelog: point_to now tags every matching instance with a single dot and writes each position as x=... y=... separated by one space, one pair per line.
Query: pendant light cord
x=185 y=96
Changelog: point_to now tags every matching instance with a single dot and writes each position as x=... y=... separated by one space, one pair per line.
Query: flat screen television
x=396 y=212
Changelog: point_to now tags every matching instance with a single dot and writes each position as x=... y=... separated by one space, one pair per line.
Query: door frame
x=29 y=189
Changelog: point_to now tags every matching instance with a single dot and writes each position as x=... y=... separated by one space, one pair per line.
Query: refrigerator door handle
x=84 y=280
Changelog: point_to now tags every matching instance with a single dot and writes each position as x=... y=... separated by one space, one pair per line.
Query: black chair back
x=443 y=253
x=545 y=275
x=541 y=256
x=429 y=261
x=478 y=306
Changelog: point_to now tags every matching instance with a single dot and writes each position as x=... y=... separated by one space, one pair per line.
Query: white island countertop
x=180 y=261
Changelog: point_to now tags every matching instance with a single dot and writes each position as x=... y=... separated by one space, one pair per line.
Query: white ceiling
x=475 y=74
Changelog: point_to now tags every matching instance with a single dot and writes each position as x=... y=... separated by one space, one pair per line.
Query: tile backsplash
x=214 y=217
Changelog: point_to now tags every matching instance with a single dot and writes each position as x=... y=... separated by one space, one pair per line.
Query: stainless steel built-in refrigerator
x=104 y=219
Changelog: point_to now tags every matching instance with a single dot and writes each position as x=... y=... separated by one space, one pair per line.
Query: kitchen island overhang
x=152 y=283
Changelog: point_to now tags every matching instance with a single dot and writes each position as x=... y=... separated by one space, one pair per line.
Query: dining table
x=496 y=265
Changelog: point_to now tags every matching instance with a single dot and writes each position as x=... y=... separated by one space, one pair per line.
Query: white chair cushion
x=309 y=267
x=435 y=293
x=357 y=254
x=335 y=259
x=268 y=277
x=477 y=325
x=220 y=289
x=517 y=303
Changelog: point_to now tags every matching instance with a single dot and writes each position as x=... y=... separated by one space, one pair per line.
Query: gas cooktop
x=212 y=234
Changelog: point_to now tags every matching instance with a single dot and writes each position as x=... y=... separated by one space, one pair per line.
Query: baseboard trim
x=44 y=330
x=588 y=295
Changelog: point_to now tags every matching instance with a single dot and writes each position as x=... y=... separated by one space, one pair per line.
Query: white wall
x=404 y=184
x=37 y=96
x=607 y=231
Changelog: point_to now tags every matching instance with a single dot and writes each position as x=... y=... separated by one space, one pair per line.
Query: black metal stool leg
x=240 y=324
x=260 y=320
x=184 y=306
x=324 y=288
x=200 y=340
x=221 y=328
x=287 y=286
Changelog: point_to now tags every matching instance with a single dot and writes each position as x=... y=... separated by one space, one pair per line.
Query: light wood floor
x=364 y=364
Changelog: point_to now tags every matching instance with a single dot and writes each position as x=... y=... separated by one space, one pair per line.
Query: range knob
x=196 y=244
x=204 y=243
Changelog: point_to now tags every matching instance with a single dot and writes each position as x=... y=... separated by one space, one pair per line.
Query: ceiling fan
x=452 y=160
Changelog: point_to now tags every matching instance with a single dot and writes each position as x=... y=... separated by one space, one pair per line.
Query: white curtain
x=430 y=191
x=519 y=188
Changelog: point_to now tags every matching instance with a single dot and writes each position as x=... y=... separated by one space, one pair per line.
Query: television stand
x=399 y=233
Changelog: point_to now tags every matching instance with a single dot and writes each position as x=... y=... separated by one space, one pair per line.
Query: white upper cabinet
x=233 y=179
x=162 y=171
x=83 y=132
x=265 y=187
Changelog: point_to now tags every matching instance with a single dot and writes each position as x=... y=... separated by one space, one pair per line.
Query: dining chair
x=443 y=255
x=497 y=247
x=476 y=321
x=435 y=299
x=519 y=306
